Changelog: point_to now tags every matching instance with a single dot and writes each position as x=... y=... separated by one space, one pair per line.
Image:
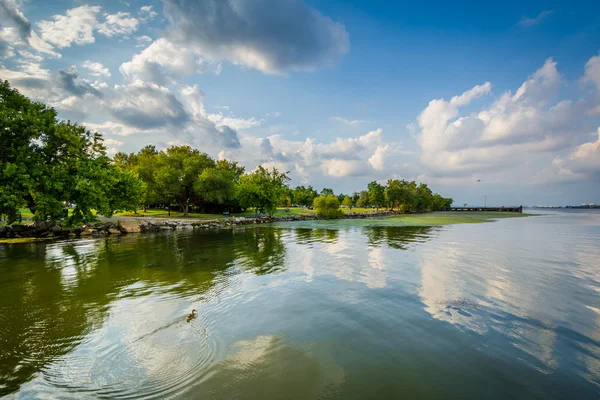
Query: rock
x=18 y=228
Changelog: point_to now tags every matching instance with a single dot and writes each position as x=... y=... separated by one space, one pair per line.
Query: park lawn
x=161 y=213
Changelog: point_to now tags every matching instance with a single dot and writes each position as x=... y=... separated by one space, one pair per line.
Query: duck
x=191 y=315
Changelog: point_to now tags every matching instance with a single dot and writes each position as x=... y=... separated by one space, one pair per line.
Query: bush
x=328 y=207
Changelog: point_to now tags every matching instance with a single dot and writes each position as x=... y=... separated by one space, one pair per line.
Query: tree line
x=48 y=165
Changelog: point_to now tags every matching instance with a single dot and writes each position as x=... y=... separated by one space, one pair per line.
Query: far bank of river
x=30 y=232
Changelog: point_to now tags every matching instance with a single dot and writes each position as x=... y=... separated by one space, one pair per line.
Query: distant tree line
x=48 y=165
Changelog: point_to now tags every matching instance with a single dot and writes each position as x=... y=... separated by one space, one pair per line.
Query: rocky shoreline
x=49 y=230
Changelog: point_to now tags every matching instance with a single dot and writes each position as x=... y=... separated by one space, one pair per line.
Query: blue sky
x=338 y=93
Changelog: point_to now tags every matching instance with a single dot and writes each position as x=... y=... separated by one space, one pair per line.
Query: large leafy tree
x=304 y=195
x=216 y=185
x=376 y=194
x=262 y=189
x=145 y=164
x=363 y=199
x=46 y=163
x=326 y=192
x=183 y=165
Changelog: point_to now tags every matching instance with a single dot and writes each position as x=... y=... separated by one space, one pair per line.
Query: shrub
x=328 y=207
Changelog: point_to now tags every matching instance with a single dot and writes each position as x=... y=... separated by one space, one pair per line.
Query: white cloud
x=10 y=12
x=112 y=146
x=235 y=123
x=349 y=122
x=518 y=132
x=96 y=69
x=10 y=35
x=30 y=78
x=143 y=41
x=119 y=24
x=592 y=71
x=271 y=36
x=147 y=13
x=163 y=61
x=583 y=162
x=76 y=26
x=378 y=159
x=342 y=168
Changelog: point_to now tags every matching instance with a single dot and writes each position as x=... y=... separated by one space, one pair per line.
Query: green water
x=318 y=310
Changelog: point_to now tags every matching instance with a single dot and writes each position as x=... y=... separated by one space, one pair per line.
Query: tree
x=262 y=189
x=188 y=164
x=363 y=199
x=326 y=192
x=144 y=164
x=328 y=207
x=376 y=194
x=304 y=196
x=46 y=163
x=231 y=166
x=216 y=185
x=347 y=202
x=395 y=193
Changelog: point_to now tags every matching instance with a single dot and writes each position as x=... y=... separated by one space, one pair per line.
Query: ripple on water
x=151 y=365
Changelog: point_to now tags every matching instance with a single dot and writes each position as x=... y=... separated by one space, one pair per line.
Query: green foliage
x=304 y=196
x=363 y=199
x=216 y=185
x=328 y=207
x=412 y=197
x=262 y=189
x=46 y=163
x=182 y=165
x=347 y=202
x=376 y=194
x=231 y=166
x=326 y=192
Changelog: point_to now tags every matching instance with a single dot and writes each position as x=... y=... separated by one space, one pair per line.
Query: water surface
x=355 y=310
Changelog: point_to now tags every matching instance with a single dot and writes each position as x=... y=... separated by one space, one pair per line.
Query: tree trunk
x=144 y=207
x=186 y=208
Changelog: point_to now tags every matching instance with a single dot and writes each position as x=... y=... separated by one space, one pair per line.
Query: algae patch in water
x=22 y=240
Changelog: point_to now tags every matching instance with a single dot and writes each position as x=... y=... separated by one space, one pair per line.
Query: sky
x=480 y=101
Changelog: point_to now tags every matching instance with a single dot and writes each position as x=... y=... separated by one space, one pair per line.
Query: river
x=311 y=310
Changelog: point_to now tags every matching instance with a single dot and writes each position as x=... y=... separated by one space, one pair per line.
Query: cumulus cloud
x=96 y=69
x=20 y=32
x=67 y=80
x=10 y=12
x=146 y=105
x=517 y=131
x=78 y=25
x=30 y=78
x=147 y=13
x=271 y=36
x=119 y=24
x=592 y=71
x=164 y=62
x=583 y=162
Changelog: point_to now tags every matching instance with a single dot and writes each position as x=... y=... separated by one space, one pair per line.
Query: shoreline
x=17 y=233
x=26 y=233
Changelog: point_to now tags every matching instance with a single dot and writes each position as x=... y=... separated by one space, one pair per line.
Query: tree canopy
x=46 y=164
x=262 y=190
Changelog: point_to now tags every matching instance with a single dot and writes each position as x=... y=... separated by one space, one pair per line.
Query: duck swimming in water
x=191 y=315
